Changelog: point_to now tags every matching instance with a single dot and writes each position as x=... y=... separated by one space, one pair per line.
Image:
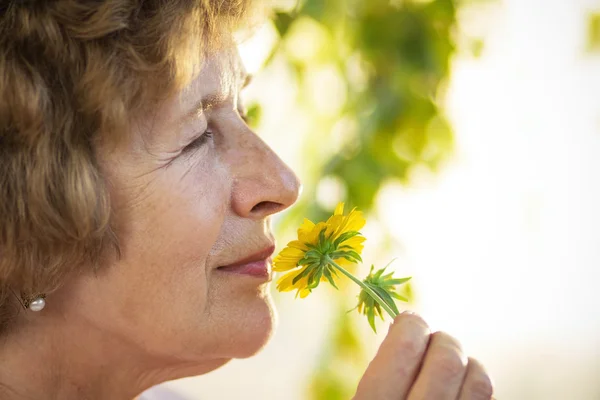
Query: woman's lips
x=260 y=268
x=257 y=264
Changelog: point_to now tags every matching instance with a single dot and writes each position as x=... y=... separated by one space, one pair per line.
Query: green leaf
x=327 y=274
x=322 y=237
x=304 y=261
x=593 y=32
x=313 y=254
x=343 y=237
x=399 y=297
x=352 y=260
x=387 y=277
x=253 y=115
x=377 y=275
x=282 y=22
x=305 y=272
x=398 y=281
x=371 y=318
x=385 y=297
x=354 y=255
x=315 y=278
x=377 y=308
x=333 y=270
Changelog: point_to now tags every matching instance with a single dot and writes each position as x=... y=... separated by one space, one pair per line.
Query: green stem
x=366 y=288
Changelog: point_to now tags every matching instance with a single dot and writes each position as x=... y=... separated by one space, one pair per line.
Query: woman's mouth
x=256 y=265
x=260 y=268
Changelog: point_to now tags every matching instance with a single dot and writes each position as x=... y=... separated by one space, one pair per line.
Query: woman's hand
x=412 y=363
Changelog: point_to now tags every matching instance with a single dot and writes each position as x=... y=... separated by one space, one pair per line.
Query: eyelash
x=208 y=134
x=198 y=142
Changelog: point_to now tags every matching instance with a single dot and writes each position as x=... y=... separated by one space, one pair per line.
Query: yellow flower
x=322 y=250
x=307 y=260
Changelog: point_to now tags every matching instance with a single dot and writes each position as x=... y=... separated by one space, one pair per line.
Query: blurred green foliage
x=593 y=33
x=380 y=68
x=393 y=61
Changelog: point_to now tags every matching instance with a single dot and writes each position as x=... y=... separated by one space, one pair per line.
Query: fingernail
x=409 y=312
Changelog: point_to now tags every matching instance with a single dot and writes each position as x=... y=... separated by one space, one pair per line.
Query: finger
x=477 y=384
x=393 y=370
x=443 y=370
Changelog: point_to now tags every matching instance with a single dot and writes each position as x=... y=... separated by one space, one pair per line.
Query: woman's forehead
x=222 y=71
x=221 y=78
x=227 y=64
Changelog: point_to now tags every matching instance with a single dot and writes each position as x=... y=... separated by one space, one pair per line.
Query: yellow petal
x=334 y=225
x=284 y=283
x=287 y=258
x=306 y=227
x=342 y=262
x=313 y=236
x=356 y=243
x=355 y=221
x=302 y=288
x=291 y=252
x=284 y=265
x=297 y=245
x=339 y=209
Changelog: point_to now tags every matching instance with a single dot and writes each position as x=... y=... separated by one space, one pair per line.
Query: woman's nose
x=263 y=183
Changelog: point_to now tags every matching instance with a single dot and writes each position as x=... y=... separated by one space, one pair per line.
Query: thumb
x=392 y=372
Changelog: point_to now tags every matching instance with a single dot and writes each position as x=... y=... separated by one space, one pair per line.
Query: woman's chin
x=255 y=330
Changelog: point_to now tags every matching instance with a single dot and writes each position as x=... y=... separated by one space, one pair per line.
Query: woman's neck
x=50 y=360
x=56 y=364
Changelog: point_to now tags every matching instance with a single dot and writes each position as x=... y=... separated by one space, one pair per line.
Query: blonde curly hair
x=73 y=72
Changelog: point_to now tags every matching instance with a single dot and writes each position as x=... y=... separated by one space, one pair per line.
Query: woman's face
x=192 y=191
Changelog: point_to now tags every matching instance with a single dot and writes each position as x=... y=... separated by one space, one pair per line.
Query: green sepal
x=327 y=273
x=343 y=237
x=305 y=261
x=354 y=255
x=385 y=296
x=321 y=241
x=371 y=316
x=306 y=271
x=315 y=278
x=399 y=281
x=399 y=297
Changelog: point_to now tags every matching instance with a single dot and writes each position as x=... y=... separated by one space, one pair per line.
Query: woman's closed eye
x=198 y=141
x=208 y=134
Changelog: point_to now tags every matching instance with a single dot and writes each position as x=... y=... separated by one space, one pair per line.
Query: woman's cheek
x=210 y=188
x=204 y=196
x=177 y=214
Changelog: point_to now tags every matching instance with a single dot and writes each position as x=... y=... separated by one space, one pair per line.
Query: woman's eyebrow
x=214 y=100
x=206 y=102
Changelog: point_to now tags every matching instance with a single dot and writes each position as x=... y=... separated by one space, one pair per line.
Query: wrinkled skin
x=415 y=364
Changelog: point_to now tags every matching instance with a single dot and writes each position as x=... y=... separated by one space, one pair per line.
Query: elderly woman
x=134 y=209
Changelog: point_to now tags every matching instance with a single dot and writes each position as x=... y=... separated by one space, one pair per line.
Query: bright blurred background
x=470 y=133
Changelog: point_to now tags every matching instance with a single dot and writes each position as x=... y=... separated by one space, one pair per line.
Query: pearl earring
x=34 y=303
x=37 y=304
